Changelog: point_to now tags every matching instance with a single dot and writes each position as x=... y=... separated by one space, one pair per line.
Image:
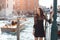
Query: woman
x=38 y=24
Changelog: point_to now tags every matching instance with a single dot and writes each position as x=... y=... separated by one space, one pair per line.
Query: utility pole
x=18 y=24
x=54 y=28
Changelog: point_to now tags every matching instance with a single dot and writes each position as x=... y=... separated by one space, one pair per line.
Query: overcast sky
x=47 y=3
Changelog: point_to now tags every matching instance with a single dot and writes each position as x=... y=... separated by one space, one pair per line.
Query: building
x=3 y=4
x=9 y=7
x=12 y=6
x=2 y=8
x=25 y=5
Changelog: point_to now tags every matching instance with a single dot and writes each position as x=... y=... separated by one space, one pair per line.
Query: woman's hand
x=50 y=21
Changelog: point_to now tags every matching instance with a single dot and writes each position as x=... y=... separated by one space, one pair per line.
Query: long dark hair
x=41 y=12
